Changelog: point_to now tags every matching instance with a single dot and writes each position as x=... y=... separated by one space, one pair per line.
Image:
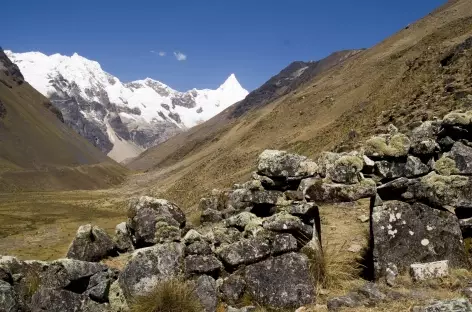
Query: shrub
x=172 y=295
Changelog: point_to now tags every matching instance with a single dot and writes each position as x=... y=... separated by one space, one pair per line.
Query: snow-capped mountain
x=122 y=119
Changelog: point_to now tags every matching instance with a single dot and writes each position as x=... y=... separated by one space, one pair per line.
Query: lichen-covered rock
x=59 y=300
x=424 y=271
x=457 y=118
x=456 y=305
x=441 y=190
x=192 y=236
x=346 y=169
x=404 y=234
x=326 y=162
x=91 y=243
x=232 y=288
x=123 y=239
x=198 y=248
x=146 y=212
x=197 y=264
x=394 y=189
x=397 y=145
x=166 y=233
x=8 y=302
x=423 y=138
x=116 y=298
x=325 y=191
x=222 y=236
x=461 y=155
x=273 y=163
x=283 y=243
x=367 y=295
x=286 y=223
x=305 y=211
x=242 y=219
x=150 y=265
x=394 y=169
x=246 y=251
x=281 y=282
x=445 y=166
x=206 y=292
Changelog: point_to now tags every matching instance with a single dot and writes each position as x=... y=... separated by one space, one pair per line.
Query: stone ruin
x=261 y=238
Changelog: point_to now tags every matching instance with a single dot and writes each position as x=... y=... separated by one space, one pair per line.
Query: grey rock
x=363 y=218
x=393 y=189
x=211 y=216
x=197 y=264
x=294 y=195
x=281 y=282
x=305 y=211
x=99 y=292
x=372 y=293
x=462 y=156
x=91 y=243
x=456 y=305
x=273 y=163
x=148 y=212
x=59 y=300
x=198 y=248
x=8 y=302
x=325 y=191
x=219 y=236
x=246 y=251
x=242 y=219
x=346 y=169
x=117 y=299
x=348 y=301
x=391 y=273
x=232 y=288
x=150 y=265
x=392 y=170
x=443 y=190
x=404 y=234
x=424 y=271
x=207 y=293
x=122 y=238
x=283 y=243
x=286 y=223
x=191 y=237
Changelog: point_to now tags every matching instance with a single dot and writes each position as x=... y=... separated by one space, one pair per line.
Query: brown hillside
x=420 y=72
x=39 y=152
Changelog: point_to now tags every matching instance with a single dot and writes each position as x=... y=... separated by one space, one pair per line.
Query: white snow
x=38 y=69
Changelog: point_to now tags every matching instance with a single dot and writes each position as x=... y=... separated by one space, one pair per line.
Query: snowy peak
x=110 y=113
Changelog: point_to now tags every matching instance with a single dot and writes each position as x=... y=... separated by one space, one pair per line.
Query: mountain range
x=121 y=119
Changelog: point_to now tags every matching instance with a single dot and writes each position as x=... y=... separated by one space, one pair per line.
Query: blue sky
x=255 y=39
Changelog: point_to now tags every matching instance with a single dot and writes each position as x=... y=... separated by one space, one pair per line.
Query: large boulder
x=281 y=282
x=404 y=234
x=150 y=265
x=91 y=243
x=443 y=190
x=280 y=164
x=154 y=220
x=196 y=264
x=322 y=190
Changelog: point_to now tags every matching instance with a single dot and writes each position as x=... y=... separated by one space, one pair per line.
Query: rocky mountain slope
x=420 y=72
x=37 y=150
x=121 y=119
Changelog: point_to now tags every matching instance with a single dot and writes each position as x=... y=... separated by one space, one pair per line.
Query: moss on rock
x=446 y=166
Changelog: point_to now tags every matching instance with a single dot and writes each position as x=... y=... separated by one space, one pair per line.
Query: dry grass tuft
x=168 y=296
x=334 y=268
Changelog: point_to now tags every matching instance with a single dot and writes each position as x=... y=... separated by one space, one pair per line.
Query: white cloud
x=160 y=53
x=180 y=56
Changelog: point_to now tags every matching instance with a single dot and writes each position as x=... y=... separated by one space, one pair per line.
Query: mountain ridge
x=139 y=114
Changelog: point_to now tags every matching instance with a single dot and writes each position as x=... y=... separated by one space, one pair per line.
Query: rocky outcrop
x=91 y=243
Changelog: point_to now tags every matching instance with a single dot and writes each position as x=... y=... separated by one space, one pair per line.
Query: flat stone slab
x=424 y=271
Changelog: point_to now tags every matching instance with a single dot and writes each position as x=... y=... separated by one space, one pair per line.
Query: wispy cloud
x=160 y=53
x=180 y=56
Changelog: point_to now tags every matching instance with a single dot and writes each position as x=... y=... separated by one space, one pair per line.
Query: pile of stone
x=261 y=238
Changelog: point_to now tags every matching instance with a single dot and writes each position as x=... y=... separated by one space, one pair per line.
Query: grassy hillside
x=39 y=152
x=420 y=72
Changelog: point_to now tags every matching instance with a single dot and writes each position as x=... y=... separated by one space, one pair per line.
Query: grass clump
x=172 y=295
x=333 y=267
